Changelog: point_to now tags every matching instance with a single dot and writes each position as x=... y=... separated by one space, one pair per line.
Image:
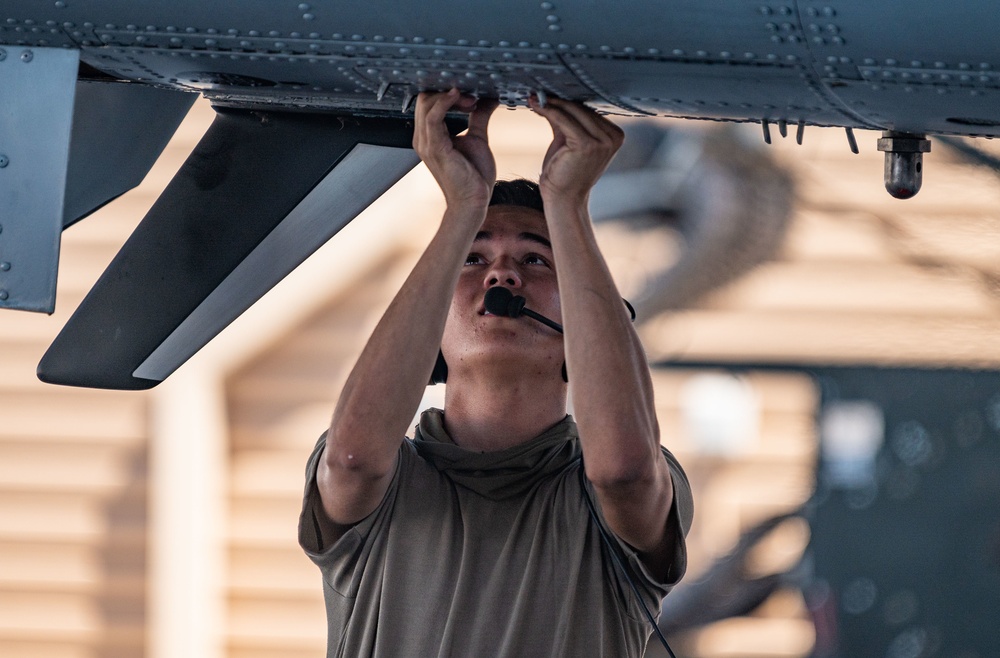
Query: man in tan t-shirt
x=476 y=537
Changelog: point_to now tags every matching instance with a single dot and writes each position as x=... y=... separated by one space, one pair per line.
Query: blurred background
x=827 y=369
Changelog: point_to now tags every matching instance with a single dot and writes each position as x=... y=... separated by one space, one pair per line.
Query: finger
x=565 y=124
x=425 y=101
x=432 y=107
x=557 y=121
x=582 y=120
x=586 y=113
x=611 y=129
x=590 y=120
x=429 y=127
x=479 y=119
x=465 y=103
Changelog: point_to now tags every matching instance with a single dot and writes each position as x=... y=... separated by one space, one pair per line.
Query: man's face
x=512 y=250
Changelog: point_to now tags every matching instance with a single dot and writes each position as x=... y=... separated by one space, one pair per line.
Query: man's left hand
x=583 y=143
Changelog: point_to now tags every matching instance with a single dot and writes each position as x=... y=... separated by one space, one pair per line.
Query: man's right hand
x=463 y=166
x=385 y=386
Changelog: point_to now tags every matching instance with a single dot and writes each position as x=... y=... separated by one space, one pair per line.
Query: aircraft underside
x=315 y=103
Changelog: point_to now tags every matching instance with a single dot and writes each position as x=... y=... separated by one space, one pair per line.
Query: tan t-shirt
x=484 y=554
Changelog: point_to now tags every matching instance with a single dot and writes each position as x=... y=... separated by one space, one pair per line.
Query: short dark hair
x=517 y=192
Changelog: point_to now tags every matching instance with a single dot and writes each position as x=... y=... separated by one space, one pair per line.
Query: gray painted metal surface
x=119 y=130
x=917 y=66
x=725 y=196
x=36 y=116
x=909 y=68
x=902 y=557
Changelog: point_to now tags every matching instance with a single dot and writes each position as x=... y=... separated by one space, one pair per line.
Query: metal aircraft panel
x=934 y=34
x=923 y=66
x=119 y=130
x=909 y=106
x=705 y=91
x=695 y=30
x=34 y=154
x=24 y=26
x=908 y=67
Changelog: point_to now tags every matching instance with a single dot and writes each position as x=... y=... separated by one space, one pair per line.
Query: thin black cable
x=501 y=301
x=541 y=318
x=621 y=565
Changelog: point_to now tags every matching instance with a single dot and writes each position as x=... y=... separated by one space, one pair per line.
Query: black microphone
x=501 y=301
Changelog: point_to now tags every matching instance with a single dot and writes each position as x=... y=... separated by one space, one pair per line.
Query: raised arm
x=610 y=382
x=384 y=388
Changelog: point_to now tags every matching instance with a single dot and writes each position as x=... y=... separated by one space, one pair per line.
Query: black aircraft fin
x=119 y=130
x=259 y=194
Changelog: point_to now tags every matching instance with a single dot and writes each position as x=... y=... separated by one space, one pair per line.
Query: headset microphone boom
x=501 y=301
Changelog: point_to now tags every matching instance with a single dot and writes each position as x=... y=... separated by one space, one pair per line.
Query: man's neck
x=489 y=415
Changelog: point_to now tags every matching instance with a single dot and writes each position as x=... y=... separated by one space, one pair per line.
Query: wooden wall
x=73 y=466
x=862 y=278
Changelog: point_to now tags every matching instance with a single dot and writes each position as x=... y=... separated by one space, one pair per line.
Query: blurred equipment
x=720 y=192
x=726 y=589
x=906 y=553
x=903 y=558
